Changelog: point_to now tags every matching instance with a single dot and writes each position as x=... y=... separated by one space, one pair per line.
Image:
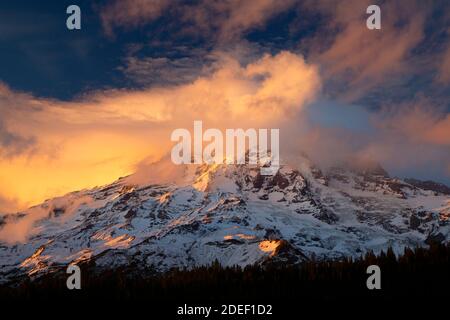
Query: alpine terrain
x=191 y=215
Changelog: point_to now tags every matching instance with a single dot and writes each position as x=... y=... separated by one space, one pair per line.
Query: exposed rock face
x=232 y=214
x=429 y=185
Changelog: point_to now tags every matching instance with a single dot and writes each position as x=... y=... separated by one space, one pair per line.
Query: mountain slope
x=185 y=216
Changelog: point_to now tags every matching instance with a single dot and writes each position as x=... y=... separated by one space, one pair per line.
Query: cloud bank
x=104 y=135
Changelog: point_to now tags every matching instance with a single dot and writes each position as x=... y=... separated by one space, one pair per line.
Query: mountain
x=429 y=185
x=190 y=215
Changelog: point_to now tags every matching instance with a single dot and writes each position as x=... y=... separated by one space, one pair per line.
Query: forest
x=416 y=275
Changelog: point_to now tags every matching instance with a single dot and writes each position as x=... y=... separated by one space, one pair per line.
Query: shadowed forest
x=421 y=273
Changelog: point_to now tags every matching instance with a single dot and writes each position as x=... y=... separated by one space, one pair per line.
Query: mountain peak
x=365 y=166
x=168 y=215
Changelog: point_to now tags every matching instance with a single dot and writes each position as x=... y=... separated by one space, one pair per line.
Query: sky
x=81 y=108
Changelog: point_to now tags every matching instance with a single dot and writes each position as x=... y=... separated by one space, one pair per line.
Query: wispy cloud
x=11 y=143
x=131 y=13
x=419 y=121
x=230 y=19
x=443 y=75
x=410 y=139
x=357 y=60
x=149 y=71
x=222 y=20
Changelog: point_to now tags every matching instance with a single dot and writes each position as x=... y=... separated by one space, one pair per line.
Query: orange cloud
x=360 y=59
x=103 y=136
x=411 y=135
x=419 y=122
x=439 y=133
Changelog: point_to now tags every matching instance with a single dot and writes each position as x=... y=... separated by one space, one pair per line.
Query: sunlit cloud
x=104 y=135
x=357 y=60
x=419 y=121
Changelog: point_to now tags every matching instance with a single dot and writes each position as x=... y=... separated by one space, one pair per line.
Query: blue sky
x=39 y=55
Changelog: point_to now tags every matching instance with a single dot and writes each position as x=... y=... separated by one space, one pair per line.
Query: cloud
x=357 y=60
x=103 y=135
x=229 y=19
x=12 y=144
x=7 y=205
x=181 y=64
x=409 y=139
x=418 y=121
x=222 y=20
x=131 y=13
x=19 y=227
x=51 y=147
x=443 y=75
x=356 y=63
x=391 y=66
x=149 y=71
x=412 y=137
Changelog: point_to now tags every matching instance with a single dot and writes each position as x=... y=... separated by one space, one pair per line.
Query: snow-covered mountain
x=191 y=215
